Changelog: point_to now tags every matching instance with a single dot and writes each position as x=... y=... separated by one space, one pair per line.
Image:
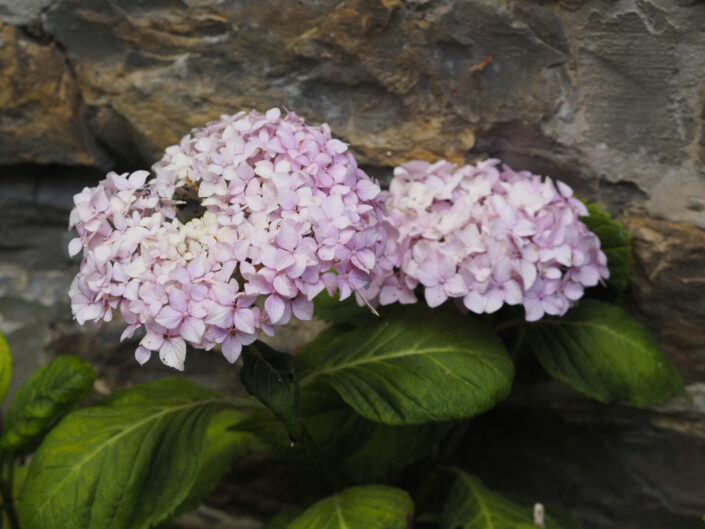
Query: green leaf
x=328 y=308
x=223 y=446
x=472 y=506
x=368 y=507
x=272 y=377
x=603 y=352
x=48 y=395
x=126 y=463
x=416 y=365
x=615 y=242
x=5 y=367
x=356 y=449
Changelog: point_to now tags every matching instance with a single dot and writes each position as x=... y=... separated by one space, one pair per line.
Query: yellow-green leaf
x=49 y=394
x=368 y=507
x=124 y=464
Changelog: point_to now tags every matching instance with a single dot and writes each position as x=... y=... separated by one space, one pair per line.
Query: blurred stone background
x=606 y=95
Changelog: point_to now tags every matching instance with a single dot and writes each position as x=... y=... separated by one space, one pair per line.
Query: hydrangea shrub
x=255 y=219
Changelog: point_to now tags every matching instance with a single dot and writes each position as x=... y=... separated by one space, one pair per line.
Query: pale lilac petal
x=244 y=320
x=169 y=318
x=513 y=294
x=173 y=352
x=274 y=306
x=435 y=295
x=142 y=355
x=475 y=302
x=152 y=341
x=75 y=246
x=192 y=330
x=302 y=308
x=287 y=237
x=533 y=308
x=528 y=273
x=231 y=348
x=495 y=299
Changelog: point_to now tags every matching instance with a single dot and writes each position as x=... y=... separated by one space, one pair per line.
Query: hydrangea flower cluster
x=488 y=235
x=283 y=211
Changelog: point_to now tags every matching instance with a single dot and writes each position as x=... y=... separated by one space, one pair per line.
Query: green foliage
x=223 y=446
x=414 y=366
x=330 y=309
x=368 y=507
x=340 y=440
x=615 y=242
x=472 y=506
x=46 y=397
x=5 y=367
x=126 y=463
x=272 y=377
x=603 y=352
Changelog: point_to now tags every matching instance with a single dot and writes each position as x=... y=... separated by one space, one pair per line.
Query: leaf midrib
x=381 y=358
x=121 y=433
x=480 y=500
x=339 y=512
x=602 y=327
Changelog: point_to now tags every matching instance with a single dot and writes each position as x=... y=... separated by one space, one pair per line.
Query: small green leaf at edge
x=615 y=242
x=416 y=365
x=126 y=463
x=368 y=507
x=5 y=367
x=272 y=377
x=50 y=393
x=223 y=445
x=472 y=506
x=601 y=351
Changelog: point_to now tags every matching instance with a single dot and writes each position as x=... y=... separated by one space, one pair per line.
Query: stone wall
x=606 y=95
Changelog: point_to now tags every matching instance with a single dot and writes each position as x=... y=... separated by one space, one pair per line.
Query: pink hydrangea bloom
x=283 y=212
x=487 y=235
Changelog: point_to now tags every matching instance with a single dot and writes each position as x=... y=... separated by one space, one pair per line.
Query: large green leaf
x=5 y=367
x=472 y=506
x=603 y=352
x=49 y=394
x=416 y=365
x=127 y=463
x=342 y=443
x=223 y=446
x=368 y=507
x=272 y=377
x=615 y=242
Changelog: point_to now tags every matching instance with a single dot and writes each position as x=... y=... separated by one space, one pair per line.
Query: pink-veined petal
x=231 y=348
x=274 y=307
x=173 y=352
x=142 y=355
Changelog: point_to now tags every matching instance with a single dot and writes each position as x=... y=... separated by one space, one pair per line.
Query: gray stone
x=23 y=12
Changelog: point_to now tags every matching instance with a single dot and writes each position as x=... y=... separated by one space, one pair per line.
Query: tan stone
x=40 y=117
x=668 y=287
